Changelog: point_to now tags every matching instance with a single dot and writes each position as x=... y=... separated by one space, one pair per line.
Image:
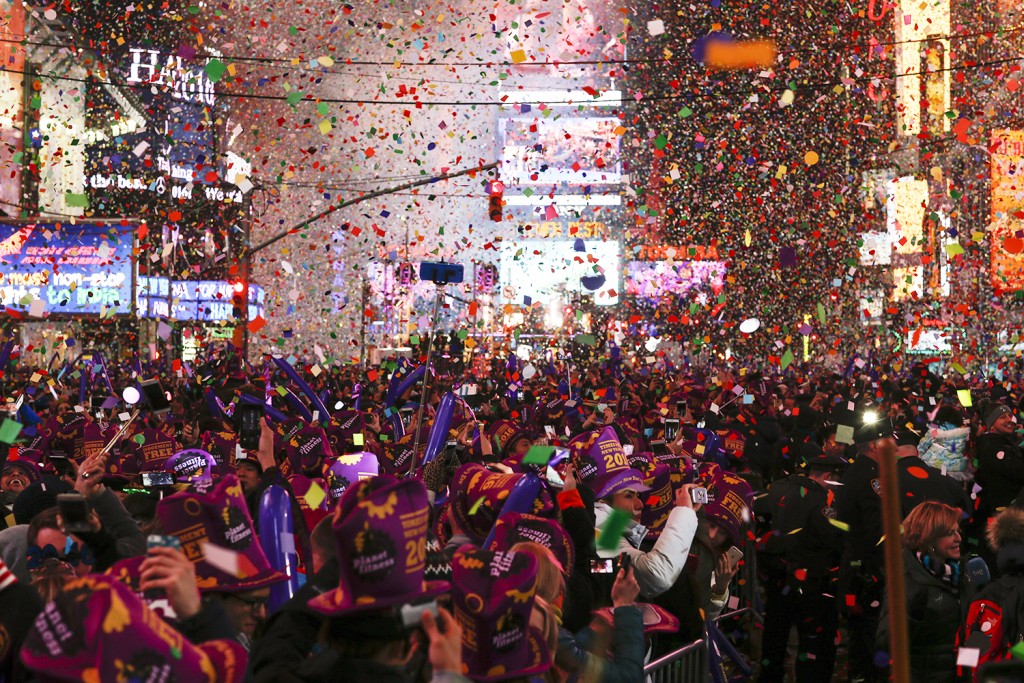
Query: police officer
x=803 y=552
x=859 y=510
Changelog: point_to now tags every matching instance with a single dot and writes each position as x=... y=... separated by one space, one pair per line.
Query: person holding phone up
x=657 y=569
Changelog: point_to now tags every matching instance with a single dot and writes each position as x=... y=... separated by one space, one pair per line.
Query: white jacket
x=658 y=569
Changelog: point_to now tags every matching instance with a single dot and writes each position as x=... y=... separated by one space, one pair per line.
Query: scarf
x=944 y=571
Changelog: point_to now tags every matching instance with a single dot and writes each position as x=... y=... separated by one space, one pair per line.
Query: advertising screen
x=543 y=269
x=65 y=269
x=654 y=279
x=1007 y=202
x=204 y=300
x=580 y=151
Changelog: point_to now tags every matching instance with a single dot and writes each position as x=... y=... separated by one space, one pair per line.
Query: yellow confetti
x=811 y=158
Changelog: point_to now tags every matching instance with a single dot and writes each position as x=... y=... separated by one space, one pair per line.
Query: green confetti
x=787 y=358
x=75 y=199
x=9 y=430
x=476 y=506
x=538 y=455
x=611 y=531
x=215 y=69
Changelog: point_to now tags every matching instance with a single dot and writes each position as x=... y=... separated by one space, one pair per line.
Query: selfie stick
x=120 y=432
x=440 y=274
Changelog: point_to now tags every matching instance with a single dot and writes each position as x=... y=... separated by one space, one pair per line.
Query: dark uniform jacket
x=859 y=507
x=803 y=531
x=1000 y=472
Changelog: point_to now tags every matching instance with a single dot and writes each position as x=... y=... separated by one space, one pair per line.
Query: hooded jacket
x=659 y=568
x=944 y=448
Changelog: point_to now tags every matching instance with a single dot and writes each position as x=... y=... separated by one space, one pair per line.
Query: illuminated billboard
x=543 y=270
x=653 y=280
x=66 y=269
x=1007 y=204
x=12 y=67
x=551 y=152
x=203 y=300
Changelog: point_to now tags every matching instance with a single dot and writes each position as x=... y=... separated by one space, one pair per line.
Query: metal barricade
x=686 y=665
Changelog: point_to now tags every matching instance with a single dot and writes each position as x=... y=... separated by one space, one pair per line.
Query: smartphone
x=550 y=432
x=179 y=430
x=659 y=448
x=75 y=511
x=163 y=541
x=699 y=495
x=96 y=403
x=735 y=555
x=160 y=541
x=412 y=615
x=602 y=566
x=247 y=423
x=61 y=465
x=555 y=479
x=671 y=429
x=625 y=561
x=152 y=480
x=156 y=398
x=625 y=406
x=681 y=407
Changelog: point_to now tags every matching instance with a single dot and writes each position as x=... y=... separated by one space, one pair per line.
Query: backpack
x=993 y=623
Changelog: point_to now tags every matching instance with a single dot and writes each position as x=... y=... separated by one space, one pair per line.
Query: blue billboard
x=82 y=268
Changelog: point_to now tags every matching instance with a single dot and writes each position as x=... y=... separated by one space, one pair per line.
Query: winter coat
x=944 y=448
x=626 y=664
x=1000 y=471
x=659 y=568
x=933 y=618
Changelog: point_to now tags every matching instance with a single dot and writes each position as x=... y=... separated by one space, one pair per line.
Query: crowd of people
x=557 y=524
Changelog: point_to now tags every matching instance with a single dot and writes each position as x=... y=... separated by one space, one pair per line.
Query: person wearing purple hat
x=379 y=619
x=97 y=629
x=503 y=621
x=601 y=464
x=218 y=536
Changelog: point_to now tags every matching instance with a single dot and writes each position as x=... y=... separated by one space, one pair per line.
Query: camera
x=699 y=495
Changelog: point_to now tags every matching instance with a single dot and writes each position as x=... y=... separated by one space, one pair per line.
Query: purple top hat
x=151 y=449
x=97 y=629
x=493 y=594
x=346 y=470
x=308 y=448
x=343 y=426
x=221 y=445
x=380 y=529
x=80 y=439
x=602 y=464
x=478 y=496
x=26 y=466
x=191 y=465
x=505 y=434
x=729 y=499
x=518 y=527
x=660 y=501
x=218 y=516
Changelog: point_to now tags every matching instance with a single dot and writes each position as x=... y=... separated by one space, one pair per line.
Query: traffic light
x=495 y=205
x=239 y=306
